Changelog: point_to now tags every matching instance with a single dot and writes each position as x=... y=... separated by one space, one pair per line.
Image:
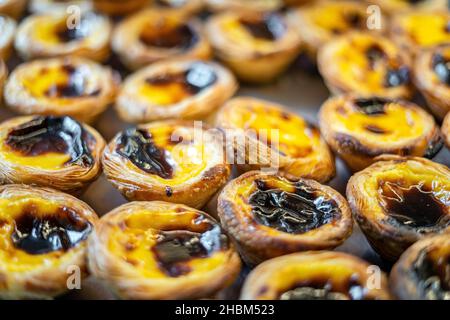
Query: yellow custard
x=164 y=94
x=39 y=84
x=426 y=28
x=336 y=16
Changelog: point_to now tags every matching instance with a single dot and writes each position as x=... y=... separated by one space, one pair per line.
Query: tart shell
x=7 y=29
x=446 y=130
x=119 y=7
x=13 y=8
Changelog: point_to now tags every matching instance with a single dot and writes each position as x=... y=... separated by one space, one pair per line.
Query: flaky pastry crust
x=46 y=6
x=7 y=30
x=324 y=275
x=360 y=129
x=119 y=7
x=41 y=275
x=183 y=7
x=446 y=130
x=48 y=35
x=152 y=35
x=247 y=208
x=128 y=250
x=174 y=89
x=71 y=86
x=399 y=200
x=13 y=8
x=393 y=7
x=248 y=6
x=169 y=160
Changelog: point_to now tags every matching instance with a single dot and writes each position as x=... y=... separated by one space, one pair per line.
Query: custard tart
x=48 y=151
x=258 y=47
x=12 y=8
x=415 y=30
x=248 y=5
x=399 y=200
x=7 y=32
x=50 y=35
x=71 y=86
x=366 y=64
x=446 y=130
x=269 y=216
x=322 y=275
x=160 y=250
x=119 y=7
x=183 y=7
x=182 y=89
x=432 y=78
x=174 y=161
x=396 y=6
x=321 y=21
x=152 y=35
x=264 y=135
x=423 y=271
x=43 y=240
x=61 y=6
x=360 y=129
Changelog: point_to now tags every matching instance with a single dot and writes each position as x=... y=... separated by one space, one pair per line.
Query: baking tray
x=301 y=91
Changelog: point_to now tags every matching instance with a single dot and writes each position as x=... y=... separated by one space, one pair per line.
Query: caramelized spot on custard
x=66 y=34
x=170 y=3
x=270 y=27
x=372 y=106
x=433 y=276
x=175 y=248
x=198 y=77
x=181 y=37
x=397 y=76
x=415 y=206
x=138 y=146
x=375 y=129
x=375 y=53
x=441 y=67
x=292 y=212
x=325 y=289
x=52 y=134
x=61 y=230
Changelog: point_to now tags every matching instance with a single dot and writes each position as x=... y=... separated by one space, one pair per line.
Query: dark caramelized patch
x=170 y=3
x=324 y=289
x=397 y=77
x=375 y=129
x=181 y=37
x=299 y=212
x=374 y=54
x=66 y=34
x=414 y=206
x=199 y=76
x=354 y=19
x=270 y=27
x=175 y=248
x=74 y=87
x=52 y=134
x=433 y=277
x=372 y=106
x=441 y=67
x=61 y=230
x=138 y=146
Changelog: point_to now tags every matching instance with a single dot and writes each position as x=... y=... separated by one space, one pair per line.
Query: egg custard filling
x=269 y=215
x=396 y=6
x=171 y=161
x=157 y=250
x=359 y=129
x=402 y=199
x=43 y=233
x=366 y=64
x=282 y=138
x=421 y=29
x=322 y=275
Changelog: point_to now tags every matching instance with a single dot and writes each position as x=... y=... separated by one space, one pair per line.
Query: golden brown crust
x=257 y=241
x=3 y=75
x=134 y=281
x=46 y=6
x=446 y=130
x=415 y=30
x=99 y=88
x=253 y=58
x=360 y=129
x=425 y=261
x=155 y=24
x=13 y=8
x=33 y=279
x=197 y=175
x=366 y=64
x=184 y=7
x=135 y=104
x=119 y=7
x=248 y=6
x=394 y=7
x=7 y=30
x=391 y=191
x=271 y=279
x=50 y=41
x=72 y=179
x=436 y=92
x=256 y=130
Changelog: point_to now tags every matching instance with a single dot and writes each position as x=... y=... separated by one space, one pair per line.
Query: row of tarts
x=167 y=249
